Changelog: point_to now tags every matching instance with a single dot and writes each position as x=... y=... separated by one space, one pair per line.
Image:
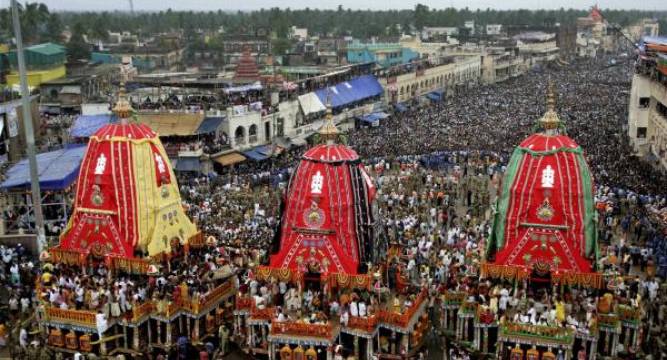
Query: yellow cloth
x=160 y=214
x=46 y=277
x=560 y=311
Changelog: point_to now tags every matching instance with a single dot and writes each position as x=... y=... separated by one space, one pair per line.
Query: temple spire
x=550 y=121
x=329 y=132
x=122 y=108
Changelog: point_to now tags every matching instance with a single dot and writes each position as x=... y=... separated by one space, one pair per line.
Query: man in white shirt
x=354 y=308
x=362 y=309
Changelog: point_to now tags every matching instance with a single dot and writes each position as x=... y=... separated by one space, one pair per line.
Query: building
x=44 y=62
x=67 y=94
x=537 y=47
x=647 y=110
x=383 y=54
x=644 y=27
x=428 y=50
x=494 y=29
x=593 y=31
x=469 y=25
x=429 y=33
x=246 y=68
x=259 y=43
x=566 y=40
x=497 y=63
x=298 y=33
x=463 y=71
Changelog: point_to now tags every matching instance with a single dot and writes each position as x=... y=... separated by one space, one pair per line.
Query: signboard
x=13 y=122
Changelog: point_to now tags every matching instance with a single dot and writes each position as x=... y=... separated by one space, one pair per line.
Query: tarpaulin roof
x=56 y=170
x=259 y=153
x=210 y=124
x=250 y=87
x=229 y=159
x=172 y=124
x=433 y=96
x=188 y=164
x=310 y=103
x=400 y=107
x=87 y=125
x=373 y=118
x=348 y=92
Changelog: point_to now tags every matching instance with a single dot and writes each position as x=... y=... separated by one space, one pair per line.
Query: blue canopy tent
x=373 y=119
x=56 y=170
x=436 y=95
x=259 y=153
x=209 y=125
x=87 y=125
x=348 y=92
x=400 y=107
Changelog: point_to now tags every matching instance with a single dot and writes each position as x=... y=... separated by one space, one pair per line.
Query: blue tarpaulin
x=400 y=107
x=56 y=169
x=259 y=153
x=435 y=96
x=374 y=118
x=188 y=164
x=87 y=125
x=349 y=92
x=209 y=125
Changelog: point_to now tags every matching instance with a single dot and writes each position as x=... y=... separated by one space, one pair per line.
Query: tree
x=77 y=48
x=421 y=16
x=280 y=46
x=53 y=30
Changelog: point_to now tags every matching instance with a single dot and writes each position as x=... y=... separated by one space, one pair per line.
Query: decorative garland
x=512 y=272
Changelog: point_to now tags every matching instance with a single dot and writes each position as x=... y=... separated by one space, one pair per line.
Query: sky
x=232 y=5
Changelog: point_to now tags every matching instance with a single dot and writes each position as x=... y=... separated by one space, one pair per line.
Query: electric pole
x=29 y=131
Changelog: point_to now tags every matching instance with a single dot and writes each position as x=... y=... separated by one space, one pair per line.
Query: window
x=662 y=109
x=644 y=102
x=641 y=133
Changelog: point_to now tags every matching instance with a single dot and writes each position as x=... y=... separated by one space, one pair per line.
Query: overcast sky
x=152 y=5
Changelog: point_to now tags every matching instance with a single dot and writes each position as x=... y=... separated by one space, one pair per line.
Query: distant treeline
x=42 y=25
x=357 y=23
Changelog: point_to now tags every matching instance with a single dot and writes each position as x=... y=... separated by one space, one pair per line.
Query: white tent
x=310 y=103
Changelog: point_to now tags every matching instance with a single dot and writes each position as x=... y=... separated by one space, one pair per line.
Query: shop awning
x=229 y=159
x=311 y=104
x=87 y=125
x=190 y=164
x=56 y=170
x=210 y=125
x=259 y=153
x=348 y=92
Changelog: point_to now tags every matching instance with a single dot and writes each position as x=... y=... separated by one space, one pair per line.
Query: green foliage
x=338 y=21
x=280 y=46
x=77 y=48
